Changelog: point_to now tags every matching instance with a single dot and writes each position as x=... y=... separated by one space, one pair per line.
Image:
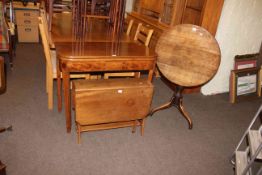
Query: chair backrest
x=2 y=76
x=143 y=34
x=129 y=23
x=43 y=15
x=45 y=46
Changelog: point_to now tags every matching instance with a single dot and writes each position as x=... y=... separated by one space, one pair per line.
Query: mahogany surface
x=96 y=30
x=102 y=56
x=188 y=55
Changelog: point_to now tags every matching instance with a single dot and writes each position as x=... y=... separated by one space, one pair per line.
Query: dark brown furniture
x=99 y=56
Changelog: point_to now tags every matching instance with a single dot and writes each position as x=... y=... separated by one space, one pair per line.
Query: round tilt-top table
x=188 y=56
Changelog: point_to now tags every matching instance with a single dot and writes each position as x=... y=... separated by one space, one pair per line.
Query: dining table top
x=99 y=50
x=65 y=29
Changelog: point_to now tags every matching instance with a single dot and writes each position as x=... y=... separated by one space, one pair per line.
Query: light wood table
x=98 y=56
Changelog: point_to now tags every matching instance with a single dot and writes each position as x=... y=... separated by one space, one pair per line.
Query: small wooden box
x=111 y=103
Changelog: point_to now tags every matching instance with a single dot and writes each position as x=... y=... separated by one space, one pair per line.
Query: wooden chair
x=50 y=56
x=143 y=35
x=43 y=15
x=129 y=23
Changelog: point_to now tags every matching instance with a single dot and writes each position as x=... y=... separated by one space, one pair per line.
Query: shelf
x=255 y=140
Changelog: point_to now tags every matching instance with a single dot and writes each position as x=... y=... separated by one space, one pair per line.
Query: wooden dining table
x=94 y=51
x=64 y=29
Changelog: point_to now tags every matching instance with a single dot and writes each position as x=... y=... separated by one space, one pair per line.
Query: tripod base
x=177 y=101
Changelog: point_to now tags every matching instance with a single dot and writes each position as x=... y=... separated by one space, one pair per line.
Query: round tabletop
x=188 y=55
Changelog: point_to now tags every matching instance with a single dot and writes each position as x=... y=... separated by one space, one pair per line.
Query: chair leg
x=50 y=93
x=137 y=74
x=10 y=55
x=47 y=79
x=78 y=133
x=106 y=76
x=13 y=38
x=134 y=127
x=142 y=122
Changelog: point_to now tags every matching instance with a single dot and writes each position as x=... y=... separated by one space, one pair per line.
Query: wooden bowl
x=188 y=55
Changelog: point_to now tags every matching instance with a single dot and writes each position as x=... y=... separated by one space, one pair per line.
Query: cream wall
x=129 y=4
x=239 y=32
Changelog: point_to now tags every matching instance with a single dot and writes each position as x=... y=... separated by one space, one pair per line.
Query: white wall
x=129 y=5
x=239 y=32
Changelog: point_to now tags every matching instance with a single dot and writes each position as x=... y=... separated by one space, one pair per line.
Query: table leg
x=66 y=88
x=177 y=101
x=150 y=75
x=59 y=94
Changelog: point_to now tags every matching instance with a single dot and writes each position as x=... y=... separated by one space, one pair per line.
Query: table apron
x=81 y=66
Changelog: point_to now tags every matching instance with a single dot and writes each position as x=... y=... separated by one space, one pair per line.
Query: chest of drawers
x=27 y=22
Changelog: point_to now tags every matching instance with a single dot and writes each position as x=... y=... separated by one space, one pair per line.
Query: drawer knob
x=27 y=29
x=26 y=14
x=27 y=21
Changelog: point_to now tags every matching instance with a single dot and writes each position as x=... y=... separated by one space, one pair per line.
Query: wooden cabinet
x=162 y=14
x=27 y=22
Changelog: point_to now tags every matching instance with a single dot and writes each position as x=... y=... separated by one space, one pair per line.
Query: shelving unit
x=249 y=149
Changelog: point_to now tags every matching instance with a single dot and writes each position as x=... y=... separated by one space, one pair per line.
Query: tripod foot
x=180 y=107
x=164 y=106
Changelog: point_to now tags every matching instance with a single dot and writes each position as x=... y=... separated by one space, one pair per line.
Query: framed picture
x=246 y=61
x=244 y=84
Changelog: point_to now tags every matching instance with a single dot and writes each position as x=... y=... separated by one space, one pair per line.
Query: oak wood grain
x=188 y=55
